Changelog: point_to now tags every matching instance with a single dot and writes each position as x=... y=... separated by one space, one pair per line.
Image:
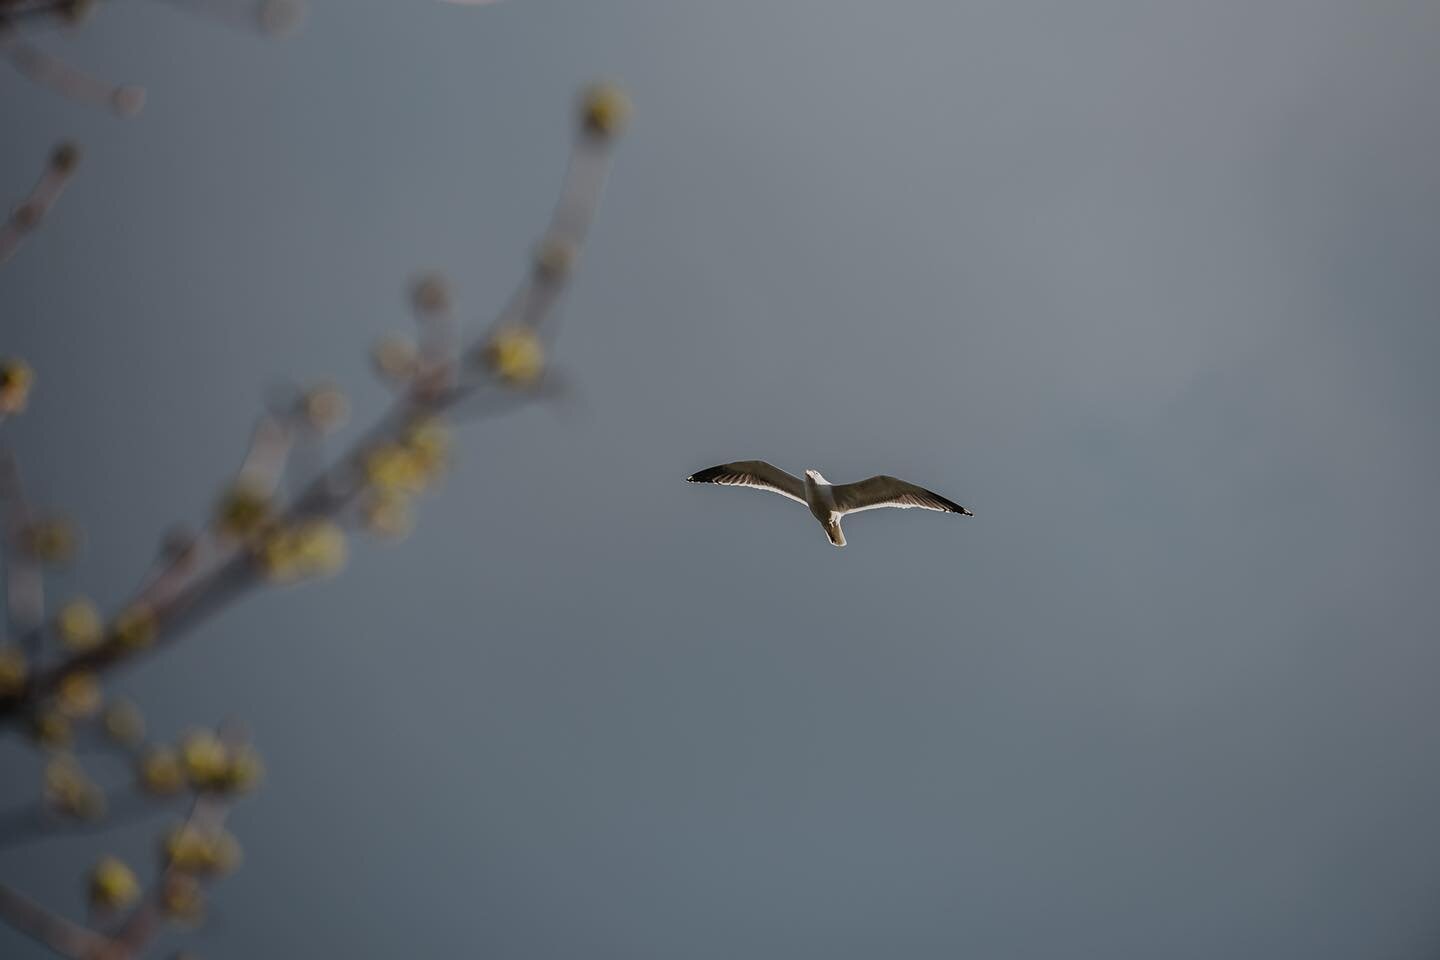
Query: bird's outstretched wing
x=885 y=491
x=753 y=473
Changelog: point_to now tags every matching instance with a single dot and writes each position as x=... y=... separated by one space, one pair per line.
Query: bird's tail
x=836 y=535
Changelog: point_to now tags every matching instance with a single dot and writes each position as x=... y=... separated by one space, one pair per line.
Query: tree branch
x=65 y=937
x=29 y=212
x=32 y=821
x=338 y=486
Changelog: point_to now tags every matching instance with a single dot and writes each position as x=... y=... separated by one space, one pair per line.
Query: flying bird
x=828 y=502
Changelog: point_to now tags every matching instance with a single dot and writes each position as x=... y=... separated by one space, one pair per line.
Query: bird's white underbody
x=828 y=502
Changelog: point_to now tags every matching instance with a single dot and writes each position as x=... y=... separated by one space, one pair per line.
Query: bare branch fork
x=51 y=665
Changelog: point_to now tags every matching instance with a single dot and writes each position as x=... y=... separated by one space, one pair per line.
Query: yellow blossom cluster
x=396 y=470
x=52 y=540
x=14 y=671
x=197 y=850
x=113 y=885
x=389 y=467
x=51 y=728
x=244 y=511
x=201 y=761
x=159 y=771
x=16 y=379
x=412 y=462
x=134 y=628
x=78 y=625
x=210 y=763
x=182 y=898
x=604 y=110
x=313 y=547
x=515 y=355
x=123 y=722
x=69 y=791
x=387 y=514
x=78 y=695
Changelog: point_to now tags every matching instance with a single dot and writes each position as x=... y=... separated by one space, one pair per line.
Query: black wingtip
x=705 y=476
x=952 y=505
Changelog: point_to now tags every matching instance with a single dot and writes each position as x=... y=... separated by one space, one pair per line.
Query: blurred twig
x=176 y=880
x=27 y=215
x=18 y=18
x=47 y=70
x=65 y=937
x=271 y=17
x=35 y=821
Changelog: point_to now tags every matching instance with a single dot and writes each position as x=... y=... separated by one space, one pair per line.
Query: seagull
x=828 y=502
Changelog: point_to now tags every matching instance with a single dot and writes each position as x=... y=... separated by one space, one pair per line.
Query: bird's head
x=815 y=475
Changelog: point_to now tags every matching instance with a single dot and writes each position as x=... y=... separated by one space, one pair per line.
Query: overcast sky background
x=1151 y=287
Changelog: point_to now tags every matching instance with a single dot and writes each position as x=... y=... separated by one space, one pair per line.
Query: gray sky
x=1150 y=286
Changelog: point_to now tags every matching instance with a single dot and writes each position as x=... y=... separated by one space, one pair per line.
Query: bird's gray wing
x=753 y=473
x=885 y=491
